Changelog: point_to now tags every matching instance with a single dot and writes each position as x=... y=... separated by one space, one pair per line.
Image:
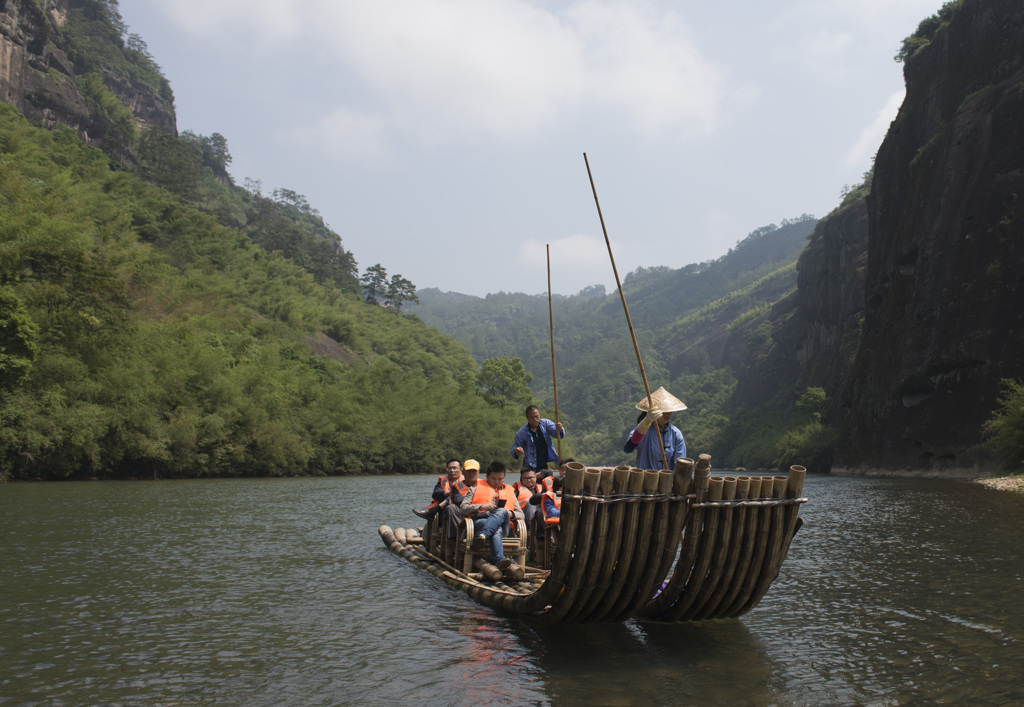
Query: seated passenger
x=544 y=479
x=442 y=489
x=491 y=506
x=551 y=503
x=525 y=488
x=460 y=490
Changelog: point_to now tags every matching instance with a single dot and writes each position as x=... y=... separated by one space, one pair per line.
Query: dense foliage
x=1005 y=429
x=140 y=337
x=684 y=320
x=926 y=30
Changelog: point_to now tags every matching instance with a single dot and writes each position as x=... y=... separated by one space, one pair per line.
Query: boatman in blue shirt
x=534 y=440
x=645 y=441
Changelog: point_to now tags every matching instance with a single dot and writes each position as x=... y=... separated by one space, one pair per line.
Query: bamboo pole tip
x=574 y=473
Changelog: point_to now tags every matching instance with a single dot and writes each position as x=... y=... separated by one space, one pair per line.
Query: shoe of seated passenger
x=479 y=543
x=425 y=515
x=504 y=565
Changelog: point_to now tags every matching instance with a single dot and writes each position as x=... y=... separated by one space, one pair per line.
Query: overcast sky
x=444 y=139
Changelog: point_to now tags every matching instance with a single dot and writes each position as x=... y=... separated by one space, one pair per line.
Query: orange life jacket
x=522 y=493
x=443 y=480
x=459 y=489
x=553 y=520
x=484 y=494
x=547 y=484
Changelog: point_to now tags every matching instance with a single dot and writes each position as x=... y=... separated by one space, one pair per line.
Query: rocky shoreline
x=1005 y=483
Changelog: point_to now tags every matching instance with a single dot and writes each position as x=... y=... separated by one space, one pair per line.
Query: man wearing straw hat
x=534 y=440
x=648 y=454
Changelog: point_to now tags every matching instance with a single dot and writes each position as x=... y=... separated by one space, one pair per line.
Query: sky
x=445 y=139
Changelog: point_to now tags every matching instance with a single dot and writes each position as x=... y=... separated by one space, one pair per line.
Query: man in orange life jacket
x=551 y=503
x=451 y=514
x=491 y=507
x=525 y=488
x=442 y=489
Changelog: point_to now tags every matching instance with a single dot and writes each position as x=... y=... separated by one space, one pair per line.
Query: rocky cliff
x=944 y=321
x=908 y=310
x=38 y=76
x=35 y=74
x=816 y=329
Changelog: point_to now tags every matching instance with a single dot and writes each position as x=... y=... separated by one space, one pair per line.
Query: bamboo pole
x=581 y=555
x=719 y=559
x=746 y=553
x=786 y=520
x=626 y=553
x=660 y=536
x=620 y=482
x=594 y=568
x=629 y=321
x=706 y=547
x=657 y=607
x=734 y=552
x=554 y=378
x=765 y=525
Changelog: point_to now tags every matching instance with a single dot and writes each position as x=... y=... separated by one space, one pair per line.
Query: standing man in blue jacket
x=534 y=440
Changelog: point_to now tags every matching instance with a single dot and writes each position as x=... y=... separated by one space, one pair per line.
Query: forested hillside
x=696 y=327
x=158 y=321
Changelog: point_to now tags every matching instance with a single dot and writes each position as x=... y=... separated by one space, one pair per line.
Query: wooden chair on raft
x=437 y=541
x=543 y=539
x=514 y=546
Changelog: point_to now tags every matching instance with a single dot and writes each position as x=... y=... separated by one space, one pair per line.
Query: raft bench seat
x=514 y=545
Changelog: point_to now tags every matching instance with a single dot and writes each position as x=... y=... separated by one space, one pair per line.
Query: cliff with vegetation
x=71 y=62
x=156 y=320
x=907 y=315
x=943 y=318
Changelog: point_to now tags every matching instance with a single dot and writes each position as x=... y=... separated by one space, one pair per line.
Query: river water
x=270 y=592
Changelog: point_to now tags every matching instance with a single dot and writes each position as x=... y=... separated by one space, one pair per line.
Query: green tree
x=399 y=292
x=18 y=335
x=375 y=284
x=504 y=382
x=171 y=163
x=1005 y=429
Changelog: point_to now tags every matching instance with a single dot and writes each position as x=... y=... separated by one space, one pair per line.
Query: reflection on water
x=280 y=592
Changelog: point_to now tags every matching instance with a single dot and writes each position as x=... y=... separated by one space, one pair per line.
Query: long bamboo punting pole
x=554 y=378
x=629 y=321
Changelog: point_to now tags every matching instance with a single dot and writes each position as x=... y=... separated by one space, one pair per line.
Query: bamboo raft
x=662 y=545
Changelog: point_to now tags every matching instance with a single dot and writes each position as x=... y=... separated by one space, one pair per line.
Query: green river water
x=270 y=592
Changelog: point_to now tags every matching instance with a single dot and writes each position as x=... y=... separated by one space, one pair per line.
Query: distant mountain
x=693 y=324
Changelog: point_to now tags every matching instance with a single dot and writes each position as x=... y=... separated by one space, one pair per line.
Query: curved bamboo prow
x=622 y=529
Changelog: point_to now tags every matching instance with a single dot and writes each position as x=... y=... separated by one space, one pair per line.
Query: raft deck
x=668 y=546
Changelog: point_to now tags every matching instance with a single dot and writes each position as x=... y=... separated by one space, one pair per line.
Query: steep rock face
x=816 y=329
x=35 y=75
x=944 y=320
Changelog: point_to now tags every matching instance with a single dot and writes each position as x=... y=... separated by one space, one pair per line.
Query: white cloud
x=643 y=62
x=871 y=137
x=256 y=23
x=442 y=70
x=349 y=134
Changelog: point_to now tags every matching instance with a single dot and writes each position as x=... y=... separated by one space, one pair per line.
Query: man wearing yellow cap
x=645 y=440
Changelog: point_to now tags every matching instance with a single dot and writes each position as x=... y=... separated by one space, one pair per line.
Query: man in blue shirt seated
x=533 y=440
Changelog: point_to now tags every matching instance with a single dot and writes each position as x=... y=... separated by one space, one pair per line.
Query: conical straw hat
x=663 y=400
